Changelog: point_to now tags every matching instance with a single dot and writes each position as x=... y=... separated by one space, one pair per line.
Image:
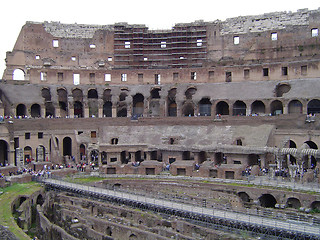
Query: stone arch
x=281 y=89
x=4 y=148
x=138 y=156
x=40 y=153
x=35 y=110
x=138 y=105
x=239 y=108
x=295 y=106
x=311 y=144
x=188 y=109
x=315 y=205
x=77 y=94
x=18 y=74
x=155 y=93
x=205 y=107
x=63 y=101
x=293 y=203
x=267 y=201
x=21 y=110
x=67 y=146
x=313 y=106
x=258 y=107
x=46 y=94
x=276 y=107
x=190 y=92
x=27 y=151
x=222 y=108
x=245 y=198
x=107 y=95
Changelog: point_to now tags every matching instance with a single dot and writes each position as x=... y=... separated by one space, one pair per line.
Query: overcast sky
x=161 y=14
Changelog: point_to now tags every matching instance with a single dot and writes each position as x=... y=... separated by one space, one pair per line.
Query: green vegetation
x=8 y=196
x=83 y=180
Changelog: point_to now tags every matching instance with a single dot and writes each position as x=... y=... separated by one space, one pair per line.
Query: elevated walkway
x=258 y=224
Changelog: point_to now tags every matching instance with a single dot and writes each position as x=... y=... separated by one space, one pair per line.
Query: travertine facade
x=222 y=94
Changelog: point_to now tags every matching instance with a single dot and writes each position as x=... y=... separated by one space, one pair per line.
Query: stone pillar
x=58 y=113
x=100 y=108
x=43 y=111
x=70 y=107
x=248 y=110
x=285 y=108
x=148 y=156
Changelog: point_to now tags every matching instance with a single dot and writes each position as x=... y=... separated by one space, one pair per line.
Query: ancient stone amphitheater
x=217 y=100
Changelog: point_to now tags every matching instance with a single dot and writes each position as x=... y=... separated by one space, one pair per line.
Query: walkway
x=295 y=227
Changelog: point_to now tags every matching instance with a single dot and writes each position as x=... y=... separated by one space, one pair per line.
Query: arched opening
x=155 y=93
x=35 y=111
x=82 y=152
x=21 y=110
x=293 y=203
x=50 y=110
x=292 y=144
x=78 y=111
x=276 y=108
x=172 y=109
x=40 y=152
x=138 y=105
x=92 y=93
x=63 y=102
x=267 y=201
x=188 y=109
x=108 y=231
x=154 y=155
x=18 y=74
x=40 y=200
x=107 y=109
x=3 y=153
x=313 y=106
x=292 y=160
x=46 y=94
x=93 y=103
x=133 y=237
x=239 y=108
x=244 y=197
x=222 y=108
x=27 y=154
x=315 y=205
x=172 y=105
x=104 y=158
x=258 y=108
x=154 y=103
x=205 y=107
x=295 y=106
x=311 y=144
x=122 y=105
x=190 y=92
x=253 y=159
x=281 y=89
x=67 y=146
